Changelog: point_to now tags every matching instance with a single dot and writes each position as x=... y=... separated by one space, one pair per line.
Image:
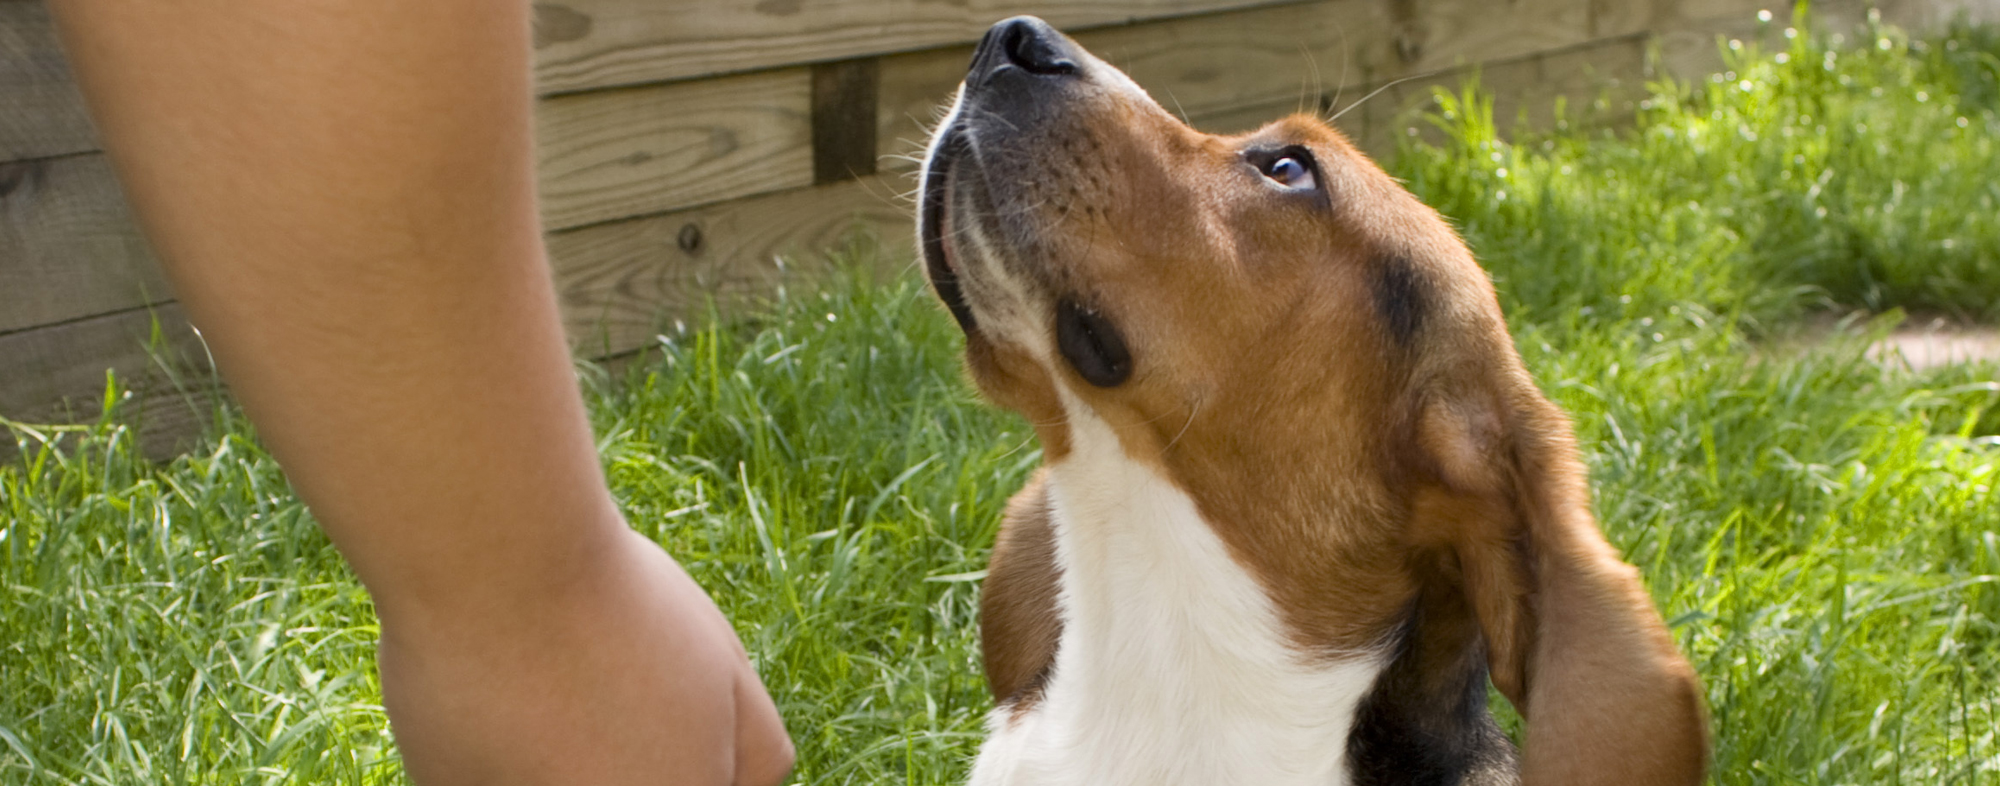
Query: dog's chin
x=934 y=227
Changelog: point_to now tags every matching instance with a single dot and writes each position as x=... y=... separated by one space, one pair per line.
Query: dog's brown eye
x=1290 y=172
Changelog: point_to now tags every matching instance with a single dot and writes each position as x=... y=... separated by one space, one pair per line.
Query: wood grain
x=1199 y=67
x=68 y=245
x=844 y=109
x=1233 y=71
x=1678 y=14
x=1930 y=15
x=1620 y=18
x=1206 y=64
x=619 y=153
x=621 y=282
x=1432 y=35
x=916 y=89
x=588 y=44
x=1690 y=32
x=57 y=374
x=665 y=197
x=1600 y=82
x=41 y=113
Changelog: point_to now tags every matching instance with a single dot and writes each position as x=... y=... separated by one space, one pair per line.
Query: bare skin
x=342 y=192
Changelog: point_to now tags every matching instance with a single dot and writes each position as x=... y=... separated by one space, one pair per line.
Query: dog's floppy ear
x=1572 y=637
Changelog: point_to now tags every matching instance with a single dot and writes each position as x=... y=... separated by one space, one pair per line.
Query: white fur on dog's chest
x=1173 y=666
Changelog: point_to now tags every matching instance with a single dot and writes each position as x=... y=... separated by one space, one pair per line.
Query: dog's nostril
x=1035 y=48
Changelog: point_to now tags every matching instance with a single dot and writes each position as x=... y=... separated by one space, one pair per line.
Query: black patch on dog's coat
x=1401 y=296
x=1425 y=722
x=1092 y=345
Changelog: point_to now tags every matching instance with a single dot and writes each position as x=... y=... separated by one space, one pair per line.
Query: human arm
x=342 y=193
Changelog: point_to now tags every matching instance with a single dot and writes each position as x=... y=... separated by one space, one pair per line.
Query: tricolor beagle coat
x=1302 y=500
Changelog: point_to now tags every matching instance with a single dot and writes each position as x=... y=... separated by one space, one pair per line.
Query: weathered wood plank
x=618 y=153
x=68 y=246
x=49 y=366
x=844 y=110
x=65 y=229
x=1198 y=67
x=619 y=281
x=56 y=374
x=1601 y=82
x=41 y=113
x=1432 y=35
x=1620 y=18
x=1930 y=14
x=1680 y=14
x=70 y=254
x=1233 y=71
x=588 y=44
x=914 y=90
x=1236 y=120
x=1688 y=30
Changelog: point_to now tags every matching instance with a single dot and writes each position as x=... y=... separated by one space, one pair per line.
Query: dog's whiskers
x=988 y=113
x=1193 y=410
x=1345 y=60
x=1318 y=88
x=1178 y=108
x=1022 y=445
x=1378 y=91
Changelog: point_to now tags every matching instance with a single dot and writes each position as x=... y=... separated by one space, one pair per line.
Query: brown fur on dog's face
x=1323 y=370
x=1285 y=328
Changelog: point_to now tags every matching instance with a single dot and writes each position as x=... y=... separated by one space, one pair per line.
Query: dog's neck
x=1174 y=665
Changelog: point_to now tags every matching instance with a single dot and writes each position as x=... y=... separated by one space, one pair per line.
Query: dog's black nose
x=1026 y=43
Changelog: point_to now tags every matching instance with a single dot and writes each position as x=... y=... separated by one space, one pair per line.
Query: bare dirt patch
x=1929 y=343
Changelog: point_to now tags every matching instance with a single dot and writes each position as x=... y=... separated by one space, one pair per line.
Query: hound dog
x=1301 y=497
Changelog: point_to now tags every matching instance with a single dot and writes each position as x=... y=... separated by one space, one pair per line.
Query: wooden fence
x=697 y=149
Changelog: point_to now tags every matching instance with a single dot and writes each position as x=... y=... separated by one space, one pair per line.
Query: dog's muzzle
x=1020 y=73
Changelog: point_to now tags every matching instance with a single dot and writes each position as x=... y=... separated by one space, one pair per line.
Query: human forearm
x=342 y=192
x=345 y=204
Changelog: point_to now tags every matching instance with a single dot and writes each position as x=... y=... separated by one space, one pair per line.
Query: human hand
x=628 y=675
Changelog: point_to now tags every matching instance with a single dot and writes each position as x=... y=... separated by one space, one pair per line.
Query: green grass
x=1816 y=175
x=1820 y=529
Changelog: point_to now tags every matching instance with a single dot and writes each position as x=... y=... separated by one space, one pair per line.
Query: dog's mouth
x=935 y=225
x=993 y=205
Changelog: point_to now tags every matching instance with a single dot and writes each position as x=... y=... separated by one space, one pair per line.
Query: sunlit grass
x=1860 y=175
x=1820 y=529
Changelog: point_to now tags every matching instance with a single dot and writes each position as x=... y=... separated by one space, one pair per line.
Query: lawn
x=1818 y=527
